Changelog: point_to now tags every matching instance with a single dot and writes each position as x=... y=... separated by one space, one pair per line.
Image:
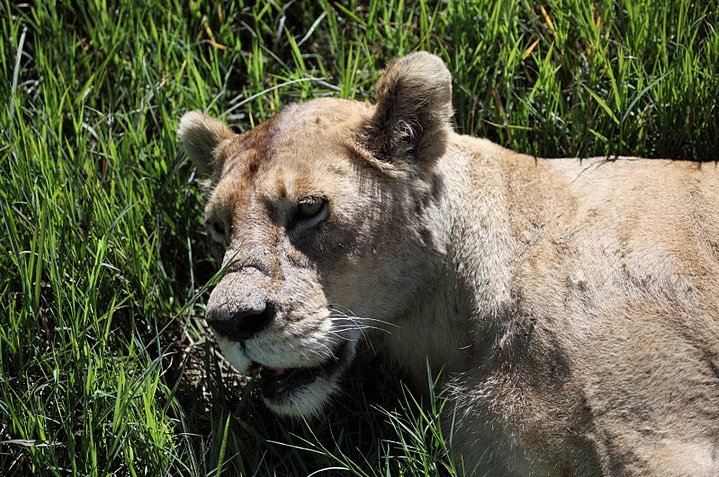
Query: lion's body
x=573 y=305
x=595 y=344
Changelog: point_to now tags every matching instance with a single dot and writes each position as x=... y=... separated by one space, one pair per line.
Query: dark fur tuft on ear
x=200 y=135
x=414 y=109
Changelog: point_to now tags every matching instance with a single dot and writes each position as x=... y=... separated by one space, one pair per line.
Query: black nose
x=245 y=324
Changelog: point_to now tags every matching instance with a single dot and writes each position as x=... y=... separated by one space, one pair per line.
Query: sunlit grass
x=105 y=368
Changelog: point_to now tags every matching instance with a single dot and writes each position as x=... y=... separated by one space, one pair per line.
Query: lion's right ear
x=200 y=135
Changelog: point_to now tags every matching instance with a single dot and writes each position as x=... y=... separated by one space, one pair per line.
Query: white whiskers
x=348 y=321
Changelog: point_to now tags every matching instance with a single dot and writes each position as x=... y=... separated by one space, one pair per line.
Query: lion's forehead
x=304 y=150
x=302 y=128
x=321 y=115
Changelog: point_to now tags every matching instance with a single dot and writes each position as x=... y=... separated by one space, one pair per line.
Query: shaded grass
x=105 y=369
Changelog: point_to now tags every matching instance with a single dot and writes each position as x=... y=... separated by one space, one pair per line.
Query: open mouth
x=279 y=383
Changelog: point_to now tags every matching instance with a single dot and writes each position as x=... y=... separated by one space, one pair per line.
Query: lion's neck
x=480 y=242
x=433 y=333
x=472 y=290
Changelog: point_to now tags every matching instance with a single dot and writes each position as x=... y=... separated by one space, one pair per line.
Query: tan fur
x=572 y=304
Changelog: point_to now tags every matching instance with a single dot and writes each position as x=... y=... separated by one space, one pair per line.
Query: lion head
x=320 y=217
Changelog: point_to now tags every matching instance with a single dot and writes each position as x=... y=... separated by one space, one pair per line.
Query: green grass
x=105 y=369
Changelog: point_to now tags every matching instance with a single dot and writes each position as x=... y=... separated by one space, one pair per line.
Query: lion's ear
x=200 y=135
x=414 y=109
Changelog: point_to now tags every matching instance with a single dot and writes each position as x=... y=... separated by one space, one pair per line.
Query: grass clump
x=104 y=366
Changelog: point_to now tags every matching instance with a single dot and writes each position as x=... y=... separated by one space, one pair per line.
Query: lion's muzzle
x=238 y=308
x=243 y=324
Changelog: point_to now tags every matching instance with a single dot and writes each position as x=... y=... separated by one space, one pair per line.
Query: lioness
x=571 y=304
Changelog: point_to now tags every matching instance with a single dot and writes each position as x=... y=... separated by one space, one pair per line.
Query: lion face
x=317 y=216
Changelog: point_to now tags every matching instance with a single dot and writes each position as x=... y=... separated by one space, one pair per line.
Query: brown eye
x=217 y=231
x=218 y=228
x=311 y=206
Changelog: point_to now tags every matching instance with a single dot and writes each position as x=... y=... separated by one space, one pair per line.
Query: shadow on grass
x=226 y=426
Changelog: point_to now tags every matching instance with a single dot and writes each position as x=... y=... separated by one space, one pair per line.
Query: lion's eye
x=311 y=206
x=218 y=231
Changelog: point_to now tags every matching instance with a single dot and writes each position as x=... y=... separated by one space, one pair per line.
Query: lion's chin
x=296 y=392
x=304 y=392
x=306 y=401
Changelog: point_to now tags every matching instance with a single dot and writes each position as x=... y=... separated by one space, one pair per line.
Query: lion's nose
x=244 y=324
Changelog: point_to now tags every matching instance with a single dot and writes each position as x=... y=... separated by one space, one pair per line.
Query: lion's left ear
x=200 y=135
x=414 y=109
